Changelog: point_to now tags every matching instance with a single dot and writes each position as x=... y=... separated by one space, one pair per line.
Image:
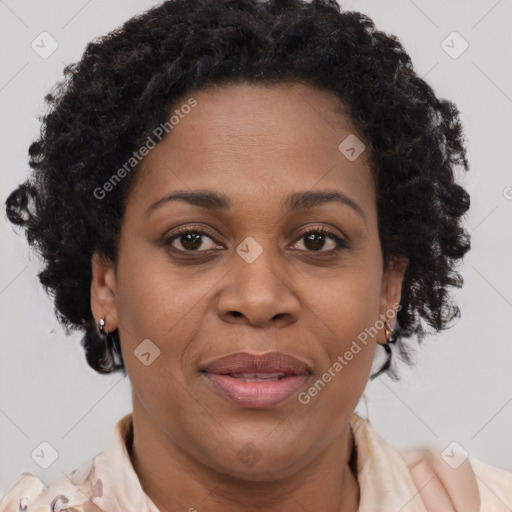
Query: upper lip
x=244 y=362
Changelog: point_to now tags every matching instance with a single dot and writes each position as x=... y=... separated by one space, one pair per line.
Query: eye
x=190 y=240
x=314 y=239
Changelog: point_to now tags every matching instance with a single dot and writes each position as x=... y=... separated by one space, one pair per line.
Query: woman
x=238 y=201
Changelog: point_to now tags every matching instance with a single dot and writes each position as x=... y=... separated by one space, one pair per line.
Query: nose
x=260 y=293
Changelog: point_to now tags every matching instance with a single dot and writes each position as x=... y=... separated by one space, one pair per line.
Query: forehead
x=251 y=139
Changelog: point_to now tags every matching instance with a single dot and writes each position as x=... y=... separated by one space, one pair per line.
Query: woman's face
x=260 y=281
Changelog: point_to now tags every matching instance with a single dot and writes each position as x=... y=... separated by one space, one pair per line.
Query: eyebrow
x=217 y=201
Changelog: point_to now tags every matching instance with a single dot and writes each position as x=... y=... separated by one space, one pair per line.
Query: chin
x=258 y=464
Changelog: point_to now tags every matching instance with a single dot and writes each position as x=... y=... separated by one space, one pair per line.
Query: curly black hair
x=126 y=83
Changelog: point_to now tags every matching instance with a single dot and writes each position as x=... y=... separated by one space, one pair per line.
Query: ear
x=391 y=291
x=103 y=289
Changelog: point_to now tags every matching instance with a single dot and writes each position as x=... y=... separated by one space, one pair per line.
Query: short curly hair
x=126 y=83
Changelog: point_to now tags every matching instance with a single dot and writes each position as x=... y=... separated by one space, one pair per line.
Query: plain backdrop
x=461 y=386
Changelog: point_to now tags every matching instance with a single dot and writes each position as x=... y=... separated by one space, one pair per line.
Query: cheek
x=350 y=308
x=157 y=314
x=350 y=354
x=350 y=300
x=153 y=294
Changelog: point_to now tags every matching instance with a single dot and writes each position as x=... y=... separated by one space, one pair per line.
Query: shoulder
x=26 y=488
x=429 y=478
x=494 y=484
x=447 y=479
x=30 y=494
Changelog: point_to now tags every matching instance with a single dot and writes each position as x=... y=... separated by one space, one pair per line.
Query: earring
x=101 y=325
x=390 y=333
x=391 y=337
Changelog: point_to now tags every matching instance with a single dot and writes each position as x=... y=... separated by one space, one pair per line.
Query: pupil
x=316 y=245
x=191 y=240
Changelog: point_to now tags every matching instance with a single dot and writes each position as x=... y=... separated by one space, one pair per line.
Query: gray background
x=461 y=387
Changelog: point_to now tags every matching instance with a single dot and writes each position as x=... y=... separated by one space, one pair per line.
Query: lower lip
x=256 y=395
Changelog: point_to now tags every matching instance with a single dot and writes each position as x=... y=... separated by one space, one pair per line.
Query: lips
x=256 y=381
x=269 y=363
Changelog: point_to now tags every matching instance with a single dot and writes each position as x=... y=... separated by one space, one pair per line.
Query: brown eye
x=196 y=240
x=315 y=241
x=191 y=240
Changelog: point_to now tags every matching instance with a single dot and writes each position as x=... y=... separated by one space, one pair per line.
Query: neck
x=175 y=481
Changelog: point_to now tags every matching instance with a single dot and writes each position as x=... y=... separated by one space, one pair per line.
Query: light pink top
x=418 y=481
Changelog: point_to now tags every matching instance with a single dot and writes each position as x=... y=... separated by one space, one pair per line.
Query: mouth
x=256 y=381
x=258 y=377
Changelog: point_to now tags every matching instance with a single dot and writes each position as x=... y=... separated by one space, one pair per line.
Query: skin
x=256 y=144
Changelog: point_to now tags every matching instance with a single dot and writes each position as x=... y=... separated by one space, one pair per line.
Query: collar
x=384 y=478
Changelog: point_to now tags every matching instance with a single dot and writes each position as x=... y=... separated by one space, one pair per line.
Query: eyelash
x=340 y=243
